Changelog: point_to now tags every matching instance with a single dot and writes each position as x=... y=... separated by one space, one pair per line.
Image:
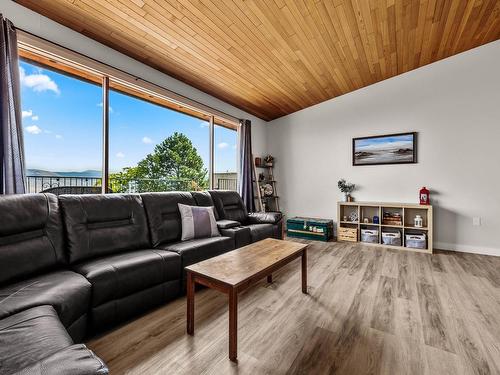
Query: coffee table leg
x=270 y=278
x=304 y=271
x=190 y=303
x=233 y=325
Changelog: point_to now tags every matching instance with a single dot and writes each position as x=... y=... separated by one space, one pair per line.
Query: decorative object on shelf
x=268 y=190
x=310 y=228
x=258 y=162
x=353 y=216
x=346 y=188
x=262 y=176
x=376 y=220
x=425 y=196
x=418 y=221
x=366 y=220
x=344 y=218
x=269 y=160
x=398 y=148
x=392 y=218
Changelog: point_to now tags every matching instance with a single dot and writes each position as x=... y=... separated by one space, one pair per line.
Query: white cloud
x=27 y=113
x=59 y=136
x=120 y=155
x=33 y=129
x=110 y=108
x=222 y=145
x=147 y=140
x=204 y=124
x=35 y=118
x=38 y=82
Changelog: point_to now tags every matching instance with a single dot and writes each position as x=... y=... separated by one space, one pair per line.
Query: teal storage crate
x=310 y=228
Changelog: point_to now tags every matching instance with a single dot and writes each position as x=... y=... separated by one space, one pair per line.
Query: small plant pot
x=350 y=198
x=269 y=164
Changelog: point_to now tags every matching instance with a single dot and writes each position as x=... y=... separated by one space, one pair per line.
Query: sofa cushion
x=73 y=360
x=31 y=236
x=197 y=222
x=195 y=251
x=116 y=276
x=98 y=225
x=261 y=231
x=29 y=336
x=67 y=291
x=229 y=205
x=163 y=215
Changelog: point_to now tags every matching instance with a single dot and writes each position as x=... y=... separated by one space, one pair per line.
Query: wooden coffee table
x=237 y=270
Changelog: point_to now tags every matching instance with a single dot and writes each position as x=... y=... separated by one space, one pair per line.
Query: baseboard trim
x=467 y=249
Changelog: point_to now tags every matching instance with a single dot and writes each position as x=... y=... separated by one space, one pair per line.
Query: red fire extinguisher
x=425 y=196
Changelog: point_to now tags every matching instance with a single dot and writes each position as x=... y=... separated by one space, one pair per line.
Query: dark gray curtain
x=12 y=172
x=245 y=183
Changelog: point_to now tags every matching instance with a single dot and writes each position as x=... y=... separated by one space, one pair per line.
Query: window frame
x=47 y=54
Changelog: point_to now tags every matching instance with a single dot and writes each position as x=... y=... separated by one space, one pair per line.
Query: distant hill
x=40 y=172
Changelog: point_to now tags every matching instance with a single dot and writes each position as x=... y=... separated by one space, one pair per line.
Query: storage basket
x=416 y=241
x=391 y=238
x=347 y=234
x=369 y=235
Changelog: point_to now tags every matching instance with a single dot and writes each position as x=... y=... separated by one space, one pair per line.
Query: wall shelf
x=408 y=211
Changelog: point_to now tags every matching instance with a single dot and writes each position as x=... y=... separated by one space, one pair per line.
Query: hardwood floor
x=369 y=311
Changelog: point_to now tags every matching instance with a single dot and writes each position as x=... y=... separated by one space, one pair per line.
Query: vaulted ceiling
x=274 y=57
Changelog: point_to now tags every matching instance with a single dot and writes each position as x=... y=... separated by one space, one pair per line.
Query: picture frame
x=398 y=148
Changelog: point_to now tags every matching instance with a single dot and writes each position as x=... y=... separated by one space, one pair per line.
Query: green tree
x=173 y=165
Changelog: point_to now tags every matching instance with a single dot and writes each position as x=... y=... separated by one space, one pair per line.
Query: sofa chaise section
x=31 y=340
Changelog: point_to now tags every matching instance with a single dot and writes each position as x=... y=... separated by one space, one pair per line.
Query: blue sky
x=62 y=122
x=381 y=143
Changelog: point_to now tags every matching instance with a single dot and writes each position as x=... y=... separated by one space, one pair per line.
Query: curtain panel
x=12 y=165
x=245 y=175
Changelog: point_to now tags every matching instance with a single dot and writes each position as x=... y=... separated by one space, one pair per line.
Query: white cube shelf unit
x=407 y=211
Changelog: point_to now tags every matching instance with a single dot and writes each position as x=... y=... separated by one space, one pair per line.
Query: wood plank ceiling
x=274 y=57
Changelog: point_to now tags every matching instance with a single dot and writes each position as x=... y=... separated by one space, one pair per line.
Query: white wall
x=453 y=104
x=43 y=27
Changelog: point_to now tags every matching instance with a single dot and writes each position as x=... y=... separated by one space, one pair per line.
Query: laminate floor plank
x=369 y=311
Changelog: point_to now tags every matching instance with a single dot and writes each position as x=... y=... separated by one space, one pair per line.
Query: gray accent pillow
x=197 y=222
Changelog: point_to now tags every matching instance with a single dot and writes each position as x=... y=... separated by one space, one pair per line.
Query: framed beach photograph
x=385 y=149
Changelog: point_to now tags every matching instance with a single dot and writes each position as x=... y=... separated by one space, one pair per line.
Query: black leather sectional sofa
x=75 y=265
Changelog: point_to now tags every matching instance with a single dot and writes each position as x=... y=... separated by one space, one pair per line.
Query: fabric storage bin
x=369 y=235
x=416 y=241
x=391 y=238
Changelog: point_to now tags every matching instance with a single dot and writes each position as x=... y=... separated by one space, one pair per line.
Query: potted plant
x=346 y=188
x=269 y=160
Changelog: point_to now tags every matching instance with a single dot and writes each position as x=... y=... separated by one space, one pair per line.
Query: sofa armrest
x=264 y=217
x=226 y=224
x=74 y=360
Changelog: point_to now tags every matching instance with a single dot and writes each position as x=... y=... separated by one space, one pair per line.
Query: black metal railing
x=92 y=185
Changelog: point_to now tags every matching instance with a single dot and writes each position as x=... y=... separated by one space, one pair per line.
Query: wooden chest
x=310 y=228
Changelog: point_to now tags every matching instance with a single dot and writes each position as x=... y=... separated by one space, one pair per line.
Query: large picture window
x=62 y=123
x=142 y=141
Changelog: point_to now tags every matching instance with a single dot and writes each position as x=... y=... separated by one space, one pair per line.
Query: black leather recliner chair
x=82 y=264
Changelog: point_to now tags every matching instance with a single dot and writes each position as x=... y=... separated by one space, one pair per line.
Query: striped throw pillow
x=197 y=222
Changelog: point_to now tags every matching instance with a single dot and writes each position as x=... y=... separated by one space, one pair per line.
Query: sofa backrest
x=204 y=199
x=98 y=225
x=31 y=236
x=163 y=215
x=229 y=205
